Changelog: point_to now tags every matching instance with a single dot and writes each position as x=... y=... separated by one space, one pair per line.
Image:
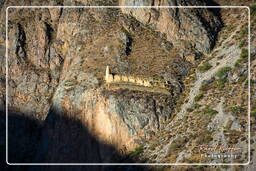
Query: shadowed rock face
x=64 y=140
x=57 y=60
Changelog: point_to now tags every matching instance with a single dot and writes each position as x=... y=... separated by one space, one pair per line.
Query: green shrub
x=253 y=10
x=222 y=71
x=244 y=54
x=247 y=82
x=196 y=106
x=153 y=146
x=243 y=57
x=176 y=144
x=236 y=109
x=190 y=109
x=242 y=43
x=239 y=61
x=229 y=28
x=242 y=79
x=209 y=111
x=200 y=167
x=204 y=67
x=253 y=113
x=220 y=83
x=204 y=87
x=244 y=32
x=204 y=137
x=198 y=97
x=138 y=150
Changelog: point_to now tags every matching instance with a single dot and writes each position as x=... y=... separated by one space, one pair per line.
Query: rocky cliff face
x=213 y=110
x=195 y=29
x=56 y=65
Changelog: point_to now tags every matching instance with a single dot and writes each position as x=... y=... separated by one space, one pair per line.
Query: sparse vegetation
x=204 y=87
x=196 y=106
x=238 y=62
x=221 y=74
x=236 y=109
x=253 y=10
x=204 y=137
x=229 y=28
x=138 y=150
x=190 y=109
x=153 y=146
x=253 y=113
x=220 y=83
x=177 y=143
x=209 y=111
x=198 y=97
x=242 y=79
x=222 y=71
x=243 y=57
x=244 y=54
x=200 y=167
x=205 y=67
x=244 y=32
x=242 y=43
x=180 y=101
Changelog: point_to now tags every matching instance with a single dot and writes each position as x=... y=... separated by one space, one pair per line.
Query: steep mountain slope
x=58 y=101
x=56 y=62
x=213 y=110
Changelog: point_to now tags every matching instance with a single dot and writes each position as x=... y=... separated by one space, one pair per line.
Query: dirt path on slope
x=230 y=56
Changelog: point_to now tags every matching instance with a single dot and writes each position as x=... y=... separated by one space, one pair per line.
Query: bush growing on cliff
x=137 y=151
x=238 y=62
x=209 y=111
x=196 y=106
x=222 y=71
x=176 y=144
x=253 y=113
x=199 y=97
x=244 y=54
x=243 y=57
x=242 y=79
x=236 y=109
x=204 y=137
x=241 y=44
x=204 y=87
x=205 y=67
x=190 y=109
x=253 y=10
x=220 y=83
x=244 y=32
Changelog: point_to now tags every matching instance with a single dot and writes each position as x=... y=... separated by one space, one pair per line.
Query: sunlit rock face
x=194 y=28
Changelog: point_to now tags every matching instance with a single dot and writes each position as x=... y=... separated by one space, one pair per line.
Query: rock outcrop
x=195 y=28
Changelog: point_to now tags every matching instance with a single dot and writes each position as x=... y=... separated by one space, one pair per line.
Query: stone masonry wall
x=146 y=82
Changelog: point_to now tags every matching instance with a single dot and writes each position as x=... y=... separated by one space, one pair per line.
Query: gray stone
x=236 y=125
x=208 y=81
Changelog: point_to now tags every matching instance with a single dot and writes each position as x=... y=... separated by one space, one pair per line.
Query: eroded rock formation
x=195 y=28
x=56 y=67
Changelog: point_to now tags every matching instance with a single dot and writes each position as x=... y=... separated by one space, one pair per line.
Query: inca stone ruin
x=111 y=78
